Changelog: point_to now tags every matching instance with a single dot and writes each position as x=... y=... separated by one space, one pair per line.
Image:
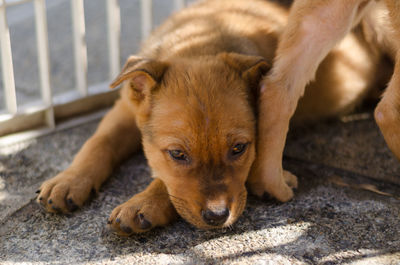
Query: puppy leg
x=313 y=29
x=145 y=210
x=116 y=137
x=387 y=113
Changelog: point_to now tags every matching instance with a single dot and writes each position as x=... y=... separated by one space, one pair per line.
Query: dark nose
x=216 y=217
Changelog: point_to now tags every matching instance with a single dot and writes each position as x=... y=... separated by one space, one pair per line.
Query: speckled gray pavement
x=324 y=223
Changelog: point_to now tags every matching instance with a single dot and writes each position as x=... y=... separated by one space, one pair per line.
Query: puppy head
x=197 y=118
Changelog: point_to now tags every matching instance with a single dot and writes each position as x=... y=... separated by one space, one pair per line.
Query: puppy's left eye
x=178 y=155
x=238 y=150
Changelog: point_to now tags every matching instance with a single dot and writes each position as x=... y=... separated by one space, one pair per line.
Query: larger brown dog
x=314 y=28
x=190 y=97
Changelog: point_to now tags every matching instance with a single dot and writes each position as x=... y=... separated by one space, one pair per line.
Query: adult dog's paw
x=141 y=213
x=65 y=193
x=290 y=179
x=280 y=186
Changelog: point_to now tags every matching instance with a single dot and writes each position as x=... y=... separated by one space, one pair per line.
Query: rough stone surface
x=25 y=165
x=356 y=145
x=324 y=223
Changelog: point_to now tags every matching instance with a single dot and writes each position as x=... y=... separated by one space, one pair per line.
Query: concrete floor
x=325 y=223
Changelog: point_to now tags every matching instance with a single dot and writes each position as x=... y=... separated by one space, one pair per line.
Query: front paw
x=65 y=193
x=141 y=213
x=280 y=185
x=290 y=179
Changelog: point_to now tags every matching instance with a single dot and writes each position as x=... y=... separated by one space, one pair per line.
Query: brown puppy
x=190 y=98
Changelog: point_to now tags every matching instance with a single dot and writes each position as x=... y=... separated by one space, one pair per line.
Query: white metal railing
x=50 y=109
x=44 y=63
x=114 y=31
x=80 y=52
x=6 y=62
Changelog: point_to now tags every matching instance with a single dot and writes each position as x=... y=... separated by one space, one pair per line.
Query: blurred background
x=21 y=23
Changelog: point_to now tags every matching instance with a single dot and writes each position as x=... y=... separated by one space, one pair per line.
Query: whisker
x=198 y=203
x=183 y=201
x=176 y=197
x=177 y=200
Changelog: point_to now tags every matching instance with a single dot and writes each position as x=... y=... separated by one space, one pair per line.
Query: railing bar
x=14 y=138
x=6 y=62
x=80 y=50
x=43 y=57
x=14 y=3
x=114 y=31
x=147 y=18
x=179 y=4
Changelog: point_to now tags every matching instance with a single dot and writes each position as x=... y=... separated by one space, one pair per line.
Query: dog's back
x=210 y=27
x=377 y=29
x=253 y=28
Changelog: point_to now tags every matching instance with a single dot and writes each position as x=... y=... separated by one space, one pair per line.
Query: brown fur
x=192 y=91
x=313 y=30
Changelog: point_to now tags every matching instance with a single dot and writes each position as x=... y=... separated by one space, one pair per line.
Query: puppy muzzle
x=215 y=217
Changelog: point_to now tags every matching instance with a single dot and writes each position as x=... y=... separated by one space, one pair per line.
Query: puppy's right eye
x=238 y=149
x=178 y=155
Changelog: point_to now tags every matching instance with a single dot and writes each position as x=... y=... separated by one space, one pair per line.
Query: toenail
x=58 y=210
x=143 y=223
x=71 y=205
x=126 y=229
x=266 y=196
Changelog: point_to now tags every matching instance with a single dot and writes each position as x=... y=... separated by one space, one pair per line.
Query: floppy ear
x=142 y=74
x=251 y=68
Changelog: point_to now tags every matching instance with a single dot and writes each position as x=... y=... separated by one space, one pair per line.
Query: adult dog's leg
x=314 y=27
x=387 y=113
x=116 y=137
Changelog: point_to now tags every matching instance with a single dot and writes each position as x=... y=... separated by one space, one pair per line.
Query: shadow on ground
x=323 y=224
